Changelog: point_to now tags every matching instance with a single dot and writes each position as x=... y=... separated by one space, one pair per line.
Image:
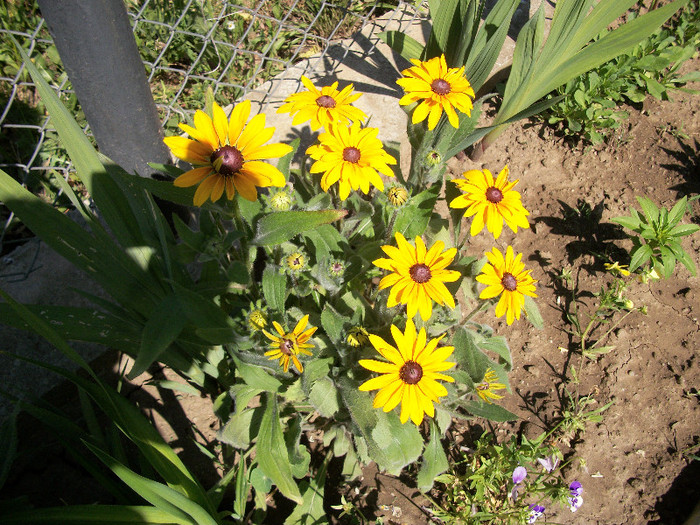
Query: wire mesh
x=187 y=46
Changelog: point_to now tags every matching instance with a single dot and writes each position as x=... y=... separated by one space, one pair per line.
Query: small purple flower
x=519 y=474
x=575 y=498
x=549 y=463
x=535 y=512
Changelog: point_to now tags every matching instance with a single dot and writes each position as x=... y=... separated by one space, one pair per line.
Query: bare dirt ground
x=637 y=465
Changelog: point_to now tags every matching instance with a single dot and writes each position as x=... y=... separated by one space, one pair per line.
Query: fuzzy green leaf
x=280 y=227
x=274 y=285
x=434 y=460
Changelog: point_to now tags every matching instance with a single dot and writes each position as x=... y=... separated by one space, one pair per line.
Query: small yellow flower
x=507 y=277
x=228 y=154
x=296 y=261
x=397 y=196
x=352 y=156
x=417 y=275
x=617 y=268
x=411 y=376
x=491 y=202
x=357 y=336
x=257 y=319
x=324 y=106
x=648 y=275
x=288 y=345
x=485 y=389
x=439 y=89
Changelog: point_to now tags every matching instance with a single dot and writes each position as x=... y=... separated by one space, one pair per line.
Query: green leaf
x=161 y=330
x=681 y=230
x=256 y=376
x=677 y=212
x=91 y=515
x=161 y=496
x=404 y=45
x=272 y=453
x=324 y=397
x=325 y=240
x=434 y=460
x=239 y=430
x=412 y=219
x=274 y=284
x=332 y=323
x=640 y=256
x=280 y=227
x=627 y=222
x=649 y=208
x=311 y=511
x=533 y=313
x=488 y=411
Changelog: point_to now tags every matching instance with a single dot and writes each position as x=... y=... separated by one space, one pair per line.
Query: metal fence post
x=99 y=53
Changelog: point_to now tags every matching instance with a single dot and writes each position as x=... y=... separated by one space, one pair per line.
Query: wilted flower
x=519 y=474
x=648 y=274
x=357 y=336
x=535 y=512
x=617 y=269
x=575 y=498
x=549 y=463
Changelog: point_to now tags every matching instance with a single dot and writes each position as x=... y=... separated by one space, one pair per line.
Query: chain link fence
x=187 y=47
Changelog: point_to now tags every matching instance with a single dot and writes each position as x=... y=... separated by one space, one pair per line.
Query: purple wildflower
x=549 y=463
x=535 y=512
x=575 y=498
x=519 y=474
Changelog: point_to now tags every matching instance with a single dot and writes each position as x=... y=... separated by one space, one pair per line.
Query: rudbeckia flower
x=351 y=156
x=507 y=277
x=324 y=106
x=417 y=275
x=288 y=345
x=491 y=202
x=411 y=376
x=486 y=390
x=440 y=88
x=228 y=154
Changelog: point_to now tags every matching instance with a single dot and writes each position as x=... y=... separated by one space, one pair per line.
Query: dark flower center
x=351 y=154
x=509 y=282
x=420 y=273
x=325 y=101
x=227 y=160
x=411 y=372
x=286 y=346
x=494 y=195
x=440 y=87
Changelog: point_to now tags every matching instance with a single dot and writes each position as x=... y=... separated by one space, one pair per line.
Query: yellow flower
x=490 y=202
x=296 y=261
x=417 y=275
x=288 y=345
x=440 y=88
x=397 y=196
x=257 y=319
x=411 y=377
x=228 y=154
x=357 y=336
x=617 y=269
x=507 y=277
x=351 y=156
x=485 y=389
x=323 y=107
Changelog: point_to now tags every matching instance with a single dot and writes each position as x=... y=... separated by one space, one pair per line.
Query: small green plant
x=657 y=241
x=591 y=108
x=506 y=483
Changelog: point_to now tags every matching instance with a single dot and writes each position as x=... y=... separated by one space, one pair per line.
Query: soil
x=638 y=467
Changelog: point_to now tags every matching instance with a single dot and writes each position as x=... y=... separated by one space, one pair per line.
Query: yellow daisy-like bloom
x=507 y=277
x=411 y=375
x=352 y=156
x=440 y=88
x=417 y=275
x=228 y=154
x=288 y=345
x=485 y=389
x=324 y=106
x=491 y=202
